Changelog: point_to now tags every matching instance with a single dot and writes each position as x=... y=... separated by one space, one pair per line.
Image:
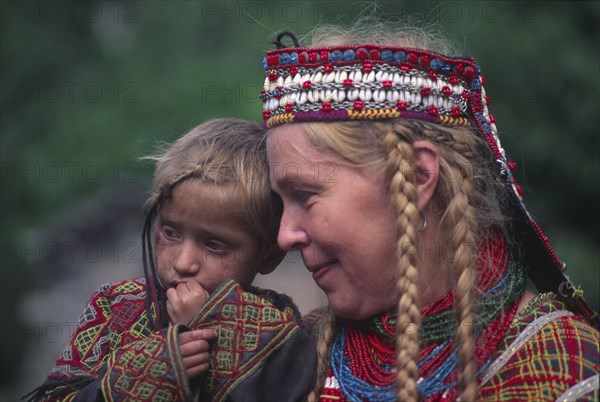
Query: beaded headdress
x=371 y=82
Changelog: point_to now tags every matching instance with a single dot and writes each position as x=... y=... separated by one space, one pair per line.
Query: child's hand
x=184 y=301
x=195 y=347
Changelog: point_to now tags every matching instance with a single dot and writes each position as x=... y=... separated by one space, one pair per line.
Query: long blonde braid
x=460 y=219
x=400 y=172
x=325 y=333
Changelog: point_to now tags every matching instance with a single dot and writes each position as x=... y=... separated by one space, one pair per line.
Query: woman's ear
x=427 y=161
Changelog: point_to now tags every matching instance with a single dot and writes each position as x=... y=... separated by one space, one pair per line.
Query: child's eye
x=169 y=233
x=217 y=246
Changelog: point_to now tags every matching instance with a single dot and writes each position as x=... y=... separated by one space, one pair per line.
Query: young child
x=193 y=328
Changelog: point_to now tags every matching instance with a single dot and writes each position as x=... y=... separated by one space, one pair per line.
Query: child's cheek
x=163 y=261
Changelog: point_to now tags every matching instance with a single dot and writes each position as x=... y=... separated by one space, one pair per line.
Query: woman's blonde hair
x=468 y=192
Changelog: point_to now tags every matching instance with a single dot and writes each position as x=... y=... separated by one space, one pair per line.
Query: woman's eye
x=302 y=196
x=217 y=246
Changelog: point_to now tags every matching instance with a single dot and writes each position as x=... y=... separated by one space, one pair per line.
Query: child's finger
x=193 y=348
x=195 y=360
x=182 y=287
x=171 y=294
x=198 y=334
x=195 y=286
x=196 y=371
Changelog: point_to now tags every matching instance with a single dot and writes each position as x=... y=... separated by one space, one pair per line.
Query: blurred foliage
x=88 y=87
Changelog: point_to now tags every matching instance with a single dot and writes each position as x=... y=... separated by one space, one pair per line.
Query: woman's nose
x=292 y=234
x=189 y=259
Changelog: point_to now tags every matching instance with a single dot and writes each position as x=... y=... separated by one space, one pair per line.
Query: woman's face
x=340 y=218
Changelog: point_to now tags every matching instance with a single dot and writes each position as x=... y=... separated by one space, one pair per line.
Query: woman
x=400 y=198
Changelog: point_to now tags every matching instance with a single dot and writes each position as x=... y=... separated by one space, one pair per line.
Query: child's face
x=199 y=238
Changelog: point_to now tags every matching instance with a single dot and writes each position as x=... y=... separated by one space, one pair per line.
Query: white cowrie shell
x=287 y=81
x=369 y=77
x=329 y=78
x=280 y=81
x=311 y=97
x=316 y=95
x=343 y=76
x=410 y=98
x=293 y=97
x=393 y=96
x=267 y=84
x=365 y=94
x=318 y=77
x=358 y=76
x=353 y=94
x=283 y=101
x=439 y=102
x=378 y=75
x=397 y=79
x=302 y=98
x=341 y=95
x=333 y=95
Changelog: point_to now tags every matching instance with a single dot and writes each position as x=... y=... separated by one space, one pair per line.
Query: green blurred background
x=88 y=87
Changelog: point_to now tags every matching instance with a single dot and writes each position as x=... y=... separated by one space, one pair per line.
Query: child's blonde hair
x=229 y=152
x=229 y=155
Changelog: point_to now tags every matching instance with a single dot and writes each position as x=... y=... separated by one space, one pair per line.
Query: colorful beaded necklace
x=363 y=354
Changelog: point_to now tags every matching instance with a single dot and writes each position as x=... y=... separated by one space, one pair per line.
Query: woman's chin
x=356 y=308
x=347 y=311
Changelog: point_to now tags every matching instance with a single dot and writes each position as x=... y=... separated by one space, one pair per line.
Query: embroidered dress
x=542 y=353
x=261 y=352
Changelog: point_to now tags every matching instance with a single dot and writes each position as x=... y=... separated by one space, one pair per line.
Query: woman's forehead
x=291 y=141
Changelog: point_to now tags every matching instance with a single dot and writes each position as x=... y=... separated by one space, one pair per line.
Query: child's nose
x=189 y=259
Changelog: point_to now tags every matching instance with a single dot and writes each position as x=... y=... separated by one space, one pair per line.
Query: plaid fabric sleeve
x=114 y=355
x=555 y=356
x=261 y=352
x=150 y=369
